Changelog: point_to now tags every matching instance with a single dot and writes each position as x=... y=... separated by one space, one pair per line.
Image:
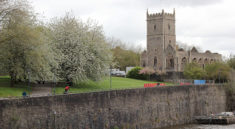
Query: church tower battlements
x=154 y=15
x=161 y=40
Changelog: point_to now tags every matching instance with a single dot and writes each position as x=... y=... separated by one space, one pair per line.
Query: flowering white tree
x=25 y=48
x=83 y=49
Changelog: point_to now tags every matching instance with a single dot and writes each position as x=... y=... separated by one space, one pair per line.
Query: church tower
x=161 y=41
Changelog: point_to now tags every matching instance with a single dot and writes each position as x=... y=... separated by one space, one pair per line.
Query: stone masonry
x=162 y=52
x=143 y=108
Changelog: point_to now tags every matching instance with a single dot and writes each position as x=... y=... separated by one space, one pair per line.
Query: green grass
x=11 y=92
x=117 y=83
x=7 y=91
x=4 y=81
x=88 y=86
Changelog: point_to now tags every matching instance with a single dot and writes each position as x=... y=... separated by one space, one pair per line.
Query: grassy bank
x=88 y=86
x=116 y=83
x=7 y=91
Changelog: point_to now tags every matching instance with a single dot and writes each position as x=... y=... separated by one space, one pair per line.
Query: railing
x=189 y=81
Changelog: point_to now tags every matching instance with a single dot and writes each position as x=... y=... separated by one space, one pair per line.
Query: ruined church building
x=162 y=52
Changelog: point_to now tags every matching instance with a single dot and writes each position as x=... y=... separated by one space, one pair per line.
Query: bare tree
x=187 y=47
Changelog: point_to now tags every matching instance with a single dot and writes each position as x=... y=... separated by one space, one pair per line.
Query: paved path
x=41 y=91
x=3 y=98
x=37 y=92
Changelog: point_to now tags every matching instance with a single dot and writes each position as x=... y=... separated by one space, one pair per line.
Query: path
x=41 y=91
x=36 y=92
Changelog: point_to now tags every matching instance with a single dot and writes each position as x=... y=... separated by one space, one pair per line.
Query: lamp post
x=110 y=77
x=54 y=83
x=219 y=76
x=28 y=80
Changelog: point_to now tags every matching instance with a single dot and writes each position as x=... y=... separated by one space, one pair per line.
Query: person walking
x=24 y=94
x=66 y=89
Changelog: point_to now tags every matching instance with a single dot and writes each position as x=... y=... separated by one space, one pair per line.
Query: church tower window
x=155 y=27
x=144 y=64
x=155 y=61
x=172 y=63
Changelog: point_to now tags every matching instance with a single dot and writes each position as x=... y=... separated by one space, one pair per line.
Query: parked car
x=117 y=72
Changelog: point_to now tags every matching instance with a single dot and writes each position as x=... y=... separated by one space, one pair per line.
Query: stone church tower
x=161 y=41
x=162 y=52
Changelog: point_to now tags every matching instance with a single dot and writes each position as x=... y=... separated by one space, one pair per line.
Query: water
x=194 y=126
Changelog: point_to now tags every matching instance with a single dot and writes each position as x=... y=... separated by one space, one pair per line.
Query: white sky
x=209 y=24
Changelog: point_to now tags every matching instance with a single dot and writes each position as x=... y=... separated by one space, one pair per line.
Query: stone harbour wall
x=144 y=108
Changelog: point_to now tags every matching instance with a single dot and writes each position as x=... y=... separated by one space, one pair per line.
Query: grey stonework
x=143 y=108
x=162 y=52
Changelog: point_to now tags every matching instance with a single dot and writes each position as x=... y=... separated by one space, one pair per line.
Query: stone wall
x=230 y=102
x=143 y=108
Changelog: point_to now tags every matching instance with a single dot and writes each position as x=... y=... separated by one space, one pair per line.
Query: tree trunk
x=12 y=79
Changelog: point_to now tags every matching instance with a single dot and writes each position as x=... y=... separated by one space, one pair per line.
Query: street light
x=219 y=76
x=110 y=77
x=54 y=84
x=28 y=80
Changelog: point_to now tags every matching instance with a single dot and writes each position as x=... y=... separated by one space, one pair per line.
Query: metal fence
x=188 y=81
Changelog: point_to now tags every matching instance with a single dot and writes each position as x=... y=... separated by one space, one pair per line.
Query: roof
x=194 y=49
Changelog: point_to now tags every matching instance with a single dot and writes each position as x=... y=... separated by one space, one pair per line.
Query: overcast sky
x=209 y=24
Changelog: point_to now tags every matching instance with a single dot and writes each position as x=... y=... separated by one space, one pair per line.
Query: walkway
x=41 y=91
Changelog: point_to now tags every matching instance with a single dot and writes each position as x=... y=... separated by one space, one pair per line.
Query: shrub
x=218 y=71
x=135 y=73
x=147 y=71
x=194 y=71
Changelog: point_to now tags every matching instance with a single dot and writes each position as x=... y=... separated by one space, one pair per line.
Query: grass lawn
x=88 y=86
x=117 y=83
x=7 y=91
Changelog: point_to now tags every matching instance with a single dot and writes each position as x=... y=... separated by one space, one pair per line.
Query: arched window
x=194 y=60
x=212 y=61
x=155 y=61
x=170 y=55
x=200 y=62
x=206 y=61
x=144 y=64
x=172 y=63
x=183 y=63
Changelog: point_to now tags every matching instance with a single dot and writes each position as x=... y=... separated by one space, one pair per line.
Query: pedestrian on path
x=66 y=89
x=24 y=94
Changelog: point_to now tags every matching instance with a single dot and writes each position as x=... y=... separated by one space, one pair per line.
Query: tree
x=7 y=7
x=83 y=48
x=218 y=70
x=124 y=54
x=125 y=58
x=26 y=50
x=194 y=71
x=187 y=47
x=231 y=61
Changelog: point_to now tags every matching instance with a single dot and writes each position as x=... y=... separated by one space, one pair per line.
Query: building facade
x=162 y=52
